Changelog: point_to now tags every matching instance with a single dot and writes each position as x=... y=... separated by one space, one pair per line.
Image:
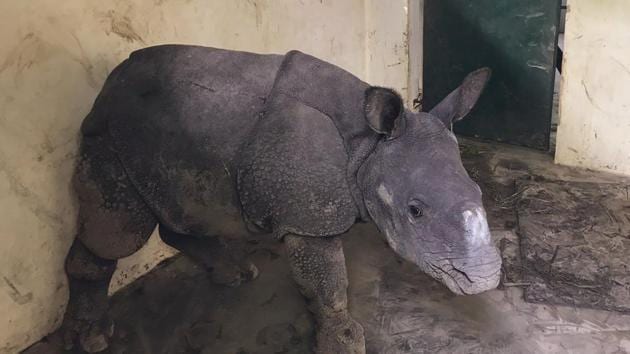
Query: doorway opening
x=555 y=116
x=519 y=41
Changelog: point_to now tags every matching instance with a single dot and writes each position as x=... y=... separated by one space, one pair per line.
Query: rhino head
x=419 y=195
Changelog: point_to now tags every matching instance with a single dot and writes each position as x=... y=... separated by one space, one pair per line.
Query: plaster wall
x=594 y=127
x=386 y=42
x=54 y=57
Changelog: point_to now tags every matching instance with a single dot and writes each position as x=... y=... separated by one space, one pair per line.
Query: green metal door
x=517 y=40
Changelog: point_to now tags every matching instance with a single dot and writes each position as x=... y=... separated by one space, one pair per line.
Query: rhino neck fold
x=340 y=96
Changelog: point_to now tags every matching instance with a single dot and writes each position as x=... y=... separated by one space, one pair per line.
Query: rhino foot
x=233 y=275
x=340 y=334
x=93 y=337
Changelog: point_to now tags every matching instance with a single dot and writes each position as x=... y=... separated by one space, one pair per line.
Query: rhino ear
x=384 y=111
x=461 y=101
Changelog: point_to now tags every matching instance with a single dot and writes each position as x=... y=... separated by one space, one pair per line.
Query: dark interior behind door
x=517 y=40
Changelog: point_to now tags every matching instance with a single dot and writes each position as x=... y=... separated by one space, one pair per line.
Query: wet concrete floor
x=177 y=309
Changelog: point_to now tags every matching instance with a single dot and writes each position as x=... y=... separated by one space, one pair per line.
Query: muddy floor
x=177 y=309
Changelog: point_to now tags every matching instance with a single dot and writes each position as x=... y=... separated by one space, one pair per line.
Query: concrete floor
x=176 y=309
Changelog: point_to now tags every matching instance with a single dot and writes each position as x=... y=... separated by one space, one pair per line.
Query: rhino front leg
x=318 y=267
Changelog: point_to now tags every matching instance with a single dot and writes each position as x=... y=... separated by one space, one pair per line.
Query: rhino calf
x=213 y=145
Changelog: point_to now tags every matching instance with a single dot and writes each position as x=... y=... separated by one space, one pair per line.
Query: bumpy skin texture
x=337 y=95
x=192 y=138
x=318 y=267
x=292 y=180
x=178 y=116
x=201 y=139
x=113 y=222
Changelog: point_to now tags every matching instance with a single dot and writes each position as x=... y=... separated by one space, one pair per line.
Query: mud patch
x=575 y=239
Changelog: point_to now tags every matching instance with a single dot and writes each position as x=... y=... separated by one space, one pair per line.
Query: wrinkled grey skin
x=214 y=146
x=431 y=212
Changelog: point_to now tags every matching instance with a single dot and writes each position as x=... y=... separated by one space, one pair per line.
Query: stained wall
x=594 y=127
x=54 y=57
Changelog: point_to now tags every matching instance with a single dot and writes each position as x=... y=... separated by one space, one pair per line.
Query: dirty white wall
x=387 y=51
x=54 y=57
x=594 y=129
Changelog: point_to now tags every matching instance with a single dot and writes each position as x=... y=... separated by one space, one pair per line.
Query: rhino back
x=178 y=116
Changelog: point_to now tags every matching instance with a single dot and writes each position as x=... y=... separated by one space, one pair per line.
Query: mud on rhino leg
x=318 y=267
x=113 y=223
x=86 y=318
x=226 y=259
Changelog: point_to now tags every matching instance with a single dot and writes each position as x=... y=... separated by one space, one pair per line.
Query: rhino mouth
x=468 y=277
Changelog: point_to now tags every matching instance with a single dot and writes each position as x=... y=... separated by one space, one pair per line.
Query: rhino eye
x=416 y=211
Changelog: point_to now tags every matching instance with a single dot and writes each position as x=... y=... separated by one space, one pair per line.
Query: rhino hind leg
x=86 y=320
x=226 y=259
x=318 y=267
x=113 y=223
